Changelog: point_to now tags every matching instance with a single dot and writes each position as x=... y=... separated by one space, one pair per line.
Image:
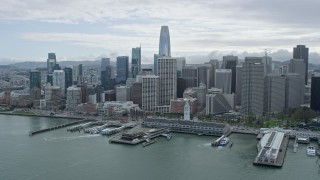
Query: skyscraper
x=190 y=75
x=104 y=63
x=164 y=43
x=164 y=47
x=59 y=80
x=298 y=66
x=35 y=79
x=150 y=92
x=252 y=95
x=106 y=80
x=167 y=72
x=51 y=62
x=223 y=80
x=68 y=78
x=136 y=61
x=302 y=52
x=230 y=62
x=80 y=75
x=315 y=93
x=122 y=68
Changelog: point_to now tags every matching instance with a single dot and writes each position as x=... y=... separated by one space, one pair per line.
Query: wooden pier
x=56 y=127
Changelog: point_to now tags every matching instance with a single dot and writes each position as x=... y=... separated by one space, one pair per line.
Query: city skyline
x=202 y=29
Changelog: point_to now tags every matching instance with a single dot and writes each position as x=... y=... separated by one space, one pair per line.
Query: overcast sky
x=82 y=29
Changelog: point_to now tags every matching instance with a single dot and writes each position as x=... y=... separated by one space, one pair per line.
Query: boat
x=311 y=151
x=230 y=146
x=148 y=142
x=224 y=141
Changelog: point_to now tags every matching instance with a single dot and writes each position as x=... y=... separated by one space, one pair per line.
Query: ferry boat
x=224 y=141
x=311 y=151
x=148 y=142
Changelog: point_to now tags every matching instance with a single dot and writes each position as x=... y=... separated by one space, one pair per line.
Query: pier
x=138 y=135
x=56 y=127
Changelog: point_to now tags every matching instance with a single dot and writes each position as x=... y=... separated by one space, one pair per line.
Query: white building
x=217 y=102
x=59 y=80
x=73 y=98
x=223 y=80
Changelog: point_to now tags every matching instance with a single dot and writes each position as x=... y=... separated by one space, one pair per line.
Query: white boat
x=311 y=151
x=224 y=141
x=148 y=142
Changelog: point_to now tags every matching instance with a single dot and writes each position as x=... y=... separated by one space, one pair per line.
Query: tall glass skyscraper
x=51 y=62
x=164 y=43
x=302 y=52
x=35 y=79
x=164 y=46
x=122 y=68
x=136 y=61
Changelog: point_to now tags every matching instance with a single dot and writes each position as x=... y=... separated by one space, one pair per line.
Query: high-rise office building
x=238 y=85
x=59 y=80
x=106 y=80
x=105 y=62
x=302 y=52
x=167 y=72
x=298 y=66
x=122 y=69
x=190 y=75
x=80 y=75
x=252 y=94
x=223 y=80
x=51 y=62
x=35 y=79
x=267 y=64
x=136 y=61
x=164 y=47
x=230 y=62
x=164 y=43
x=68 y=78
x=205 y=75
x=181 y=63
x=315 y=93
x=150 y=92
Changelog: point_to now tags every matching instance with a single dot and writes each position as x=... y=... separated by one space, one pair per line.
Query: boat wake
x=57 y=139
x=204 y=145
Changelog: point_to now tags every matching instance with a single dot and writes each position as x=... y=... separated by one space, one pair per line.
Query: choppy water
x=63 y=155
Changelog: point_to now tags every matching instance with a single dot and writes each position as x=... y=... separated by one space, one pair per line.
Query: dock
x=138 y=135
x=56 y=127
x=270 y=154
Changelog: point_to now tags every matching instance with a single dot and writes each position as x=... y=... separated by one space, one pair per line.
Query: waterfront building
x=270 y=150
x=190 y=75
x=178 y=105
x=224 y=80
x=51 y=62
x=315 y=93
x=58 y=78
x=73 y=98
x=192 y=127
x=136 y=61
x=230 y=62
x=167 y=72
x=122 y=69
x=122 y=93
x=238 y=84
x=252 y=94
x=302 y=52
x=118 y=108
x=150 y=92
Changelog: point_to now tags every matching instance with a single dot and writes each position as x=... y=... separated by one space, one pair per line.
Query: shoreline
x=36 y=115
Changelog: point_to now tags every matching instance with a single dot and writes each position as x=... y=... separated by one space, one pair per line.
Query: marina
x=76 y=152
